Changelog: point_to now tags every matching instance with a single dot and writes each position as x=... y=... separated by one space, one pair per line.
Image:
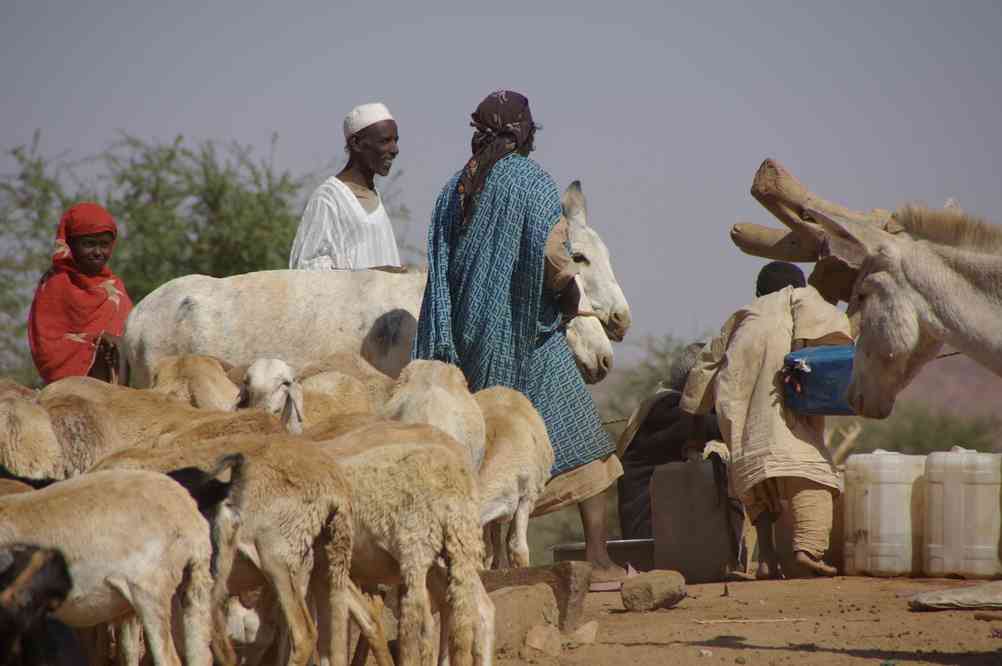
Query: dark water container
x=816 y=380
x=693 y=533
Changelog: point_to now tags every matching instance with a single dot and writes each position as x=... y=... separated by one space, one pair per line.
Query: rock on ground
x=652 y=590
x=583 y=635
x=519 y=609
x=545 y=638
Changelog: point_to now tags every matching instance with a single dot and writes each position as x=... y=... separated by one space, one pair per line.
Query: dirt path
x=836 y=621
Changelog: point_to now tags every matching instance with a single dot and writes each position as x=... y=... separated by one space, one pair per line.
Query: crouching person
x=657 y=433
x=776 y=455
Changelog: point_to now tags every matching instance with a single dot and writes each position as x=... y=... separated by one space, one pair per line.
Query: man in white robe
x=776 y=454
x=344 y=225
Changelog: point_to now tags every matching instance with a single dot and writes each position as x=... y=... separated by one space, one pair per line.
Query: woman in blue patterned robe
x=487 y=307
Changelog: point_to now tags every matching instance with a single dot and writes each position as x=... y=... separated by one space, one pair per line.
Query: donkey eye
x=580 y=258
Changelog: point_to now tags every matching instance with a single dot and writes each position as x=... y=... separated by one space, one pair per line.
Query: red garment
x=71 y=309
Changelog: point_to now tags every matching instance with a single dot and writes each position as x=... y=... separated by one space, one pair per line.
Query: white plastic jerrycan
x=884 y=513
x=962 y=514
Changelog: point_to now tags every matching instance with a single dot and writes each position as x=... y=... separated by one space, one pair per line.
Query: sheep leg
x=298 y=623
x=197 y=619
x=453 y=650
x=129 y=634
x=332 y=618
x=501 y=556
x=436 y=586
x=518 y=534
x=368 y=615
x=494 y=546
x=488 y=545
x=415 y=617
x=153 y=610
x=483 y=642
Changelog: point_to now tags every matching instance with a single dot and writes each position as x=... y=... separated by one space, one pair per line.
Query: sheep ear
x=847 y=240
x=237 y=374
x=292 y=411
x=573 y=202
x=243 y=397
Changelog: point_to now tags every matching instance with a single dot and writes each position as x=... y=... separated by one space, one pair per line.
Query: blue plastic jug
x=816 y=380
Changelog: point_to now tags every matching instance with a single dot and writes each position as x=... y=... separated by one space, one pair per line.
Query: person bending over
x=776 y=455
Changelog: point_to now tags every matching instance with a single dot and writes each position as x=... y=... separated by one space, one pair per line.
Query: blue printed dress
x=486 y=309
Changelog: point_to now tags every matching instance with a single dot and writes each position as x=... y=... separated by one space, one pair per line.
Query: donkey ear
x=573 y=202
x=845 y=239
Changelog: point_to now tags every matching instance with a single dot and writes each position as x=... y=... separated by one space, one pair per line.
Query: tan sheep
x=55 y=440
x=416 y=506
x=200 y=381
x=294 y=496
x=378 y=384
x=515 y=470
x=28 y=444
x=131 y=540
x=10 y=388
x=93 y=419
x=12 y=487
x=436 y=393
x=415 y=500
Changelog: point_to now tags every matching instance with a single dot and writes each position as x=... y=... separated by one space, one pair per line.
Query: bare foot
x=602 y=574
x=767 y=570
x=817 y=567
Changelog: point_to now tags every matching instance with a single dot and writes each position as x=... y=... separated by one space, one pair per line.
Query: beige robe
x=739 y=371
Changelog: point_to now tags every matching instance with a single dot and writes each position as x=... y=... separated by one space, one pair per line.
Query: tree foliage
x=624 y=390
x=203 y=209
x=182 y=207
x=918 y=428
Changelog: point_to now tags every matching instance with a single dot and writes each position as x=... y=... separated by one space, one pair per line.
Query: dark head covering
x=776 y=275
x=503 y=124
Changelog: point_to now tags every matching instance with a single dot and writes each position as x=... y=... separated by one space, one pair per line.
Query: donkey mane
x=949 y=227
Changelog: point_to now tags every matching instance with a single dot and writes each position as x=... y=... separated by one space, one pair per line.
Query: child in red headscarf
x=80 y=306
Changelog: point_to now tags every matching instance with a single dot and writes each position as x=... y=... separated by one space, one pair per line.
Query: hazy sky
x=663 y=112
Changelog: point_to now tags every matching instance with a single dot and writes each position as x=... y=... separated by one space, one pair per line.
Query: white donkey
x=938 y=282
x=303 y=316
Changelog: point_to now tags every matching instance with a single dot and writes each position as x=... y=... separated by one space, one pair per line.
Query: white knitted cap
x=364 y=115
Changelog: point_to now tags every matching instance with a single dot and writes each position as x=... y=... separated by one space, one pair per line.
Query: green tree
x=625 y=389
x=31 y=201
x=917 y=428
x=198 y=209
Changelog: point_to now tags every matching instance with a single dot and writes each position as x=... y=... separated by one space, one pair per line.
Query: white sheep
x=132 y=540
x=436 y=393
x=515 y=470
x=271 y=384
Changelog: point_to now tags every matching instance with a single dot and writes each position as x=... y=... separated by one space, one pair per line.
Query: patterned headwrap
x=503 y=124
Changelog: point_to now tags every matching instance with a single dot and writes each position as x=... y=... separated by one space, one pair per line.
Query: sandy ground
x=834 y=621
